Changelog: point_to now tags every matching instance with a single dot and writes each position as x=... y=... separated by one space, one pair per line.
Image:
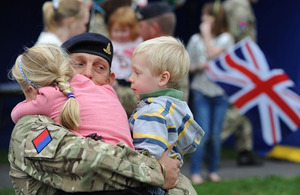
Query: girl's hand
x=205 y=28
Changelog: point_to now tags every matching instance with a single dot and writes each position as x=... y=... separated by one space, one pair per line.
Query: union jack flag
x=263 y=94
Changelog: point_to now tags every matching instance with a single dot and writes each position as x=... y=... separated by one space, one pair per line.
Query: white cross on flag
x=263 y=94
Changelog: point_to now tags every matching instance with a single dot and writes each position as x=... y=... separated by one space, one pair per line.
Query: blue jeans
x=209 y=112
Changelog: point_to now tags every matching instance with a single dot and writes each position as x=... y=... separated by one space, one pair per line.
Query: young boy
x=161 y=118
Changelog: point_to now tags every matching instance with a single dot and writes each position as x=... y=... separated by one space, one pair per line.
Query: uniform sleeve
x=58 y=158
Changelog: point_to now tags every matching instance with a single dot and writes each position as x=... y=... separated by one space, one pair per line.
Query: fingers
x=170 y=149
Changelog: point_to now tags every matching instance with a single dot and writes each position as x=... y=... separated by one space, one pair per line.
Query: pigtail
x=70 y=112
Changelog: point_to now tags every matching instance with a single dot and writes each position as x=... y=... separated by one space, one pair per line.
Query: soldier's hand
x=171 y=169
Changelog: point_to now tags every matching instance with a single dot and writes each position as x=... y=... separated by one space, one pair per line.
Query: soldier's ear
x=111 y=78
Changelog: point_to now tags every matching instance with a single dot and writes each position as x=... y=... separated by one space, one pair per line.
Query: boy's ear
x=165 y=77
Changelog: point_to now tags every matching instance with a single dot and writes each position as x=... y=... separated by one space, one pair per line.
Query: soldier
x=242 y=23
x=157 y=19
x=46 y=158
x=241 y=19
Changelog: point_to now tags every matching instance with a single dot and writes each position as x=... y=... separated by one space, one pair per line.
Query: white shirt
x=48 y=37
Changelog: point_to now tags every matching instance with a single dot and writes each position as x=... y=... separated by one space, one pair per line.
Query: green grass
x=7 y=191
x=271 y=185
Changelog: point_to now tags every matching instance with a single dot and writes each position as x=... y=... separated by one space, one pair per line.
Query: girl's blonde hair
x=166 y=53
x=124 y=16
x=53 y=16
x=48 y=65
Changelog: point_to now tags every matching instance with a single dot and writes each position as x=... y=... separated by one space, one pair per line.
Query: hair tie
x=28 y=81
x=216 y=7
x=70 y=95
x=55 y=4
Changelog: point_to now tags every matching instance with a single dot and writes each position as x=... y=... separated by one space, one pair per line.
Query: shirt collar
x=164 y=92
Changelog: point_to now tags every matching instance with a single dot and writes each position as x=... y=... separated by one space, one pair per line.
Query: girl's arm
x=211 y=50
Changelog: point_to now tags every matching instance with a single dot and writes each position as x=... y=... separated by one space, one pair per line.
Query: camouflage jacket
x=241 y=19
x=44 y=157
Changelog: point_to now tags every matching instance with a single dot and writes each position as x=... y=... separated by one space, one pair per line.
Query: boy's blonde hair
x=53 y=17
x=124 y=16
x=166 y=53
x=48 y=65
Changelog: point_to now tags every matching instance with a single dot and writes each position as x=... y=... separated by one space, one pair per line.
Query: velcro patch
x=42 y=140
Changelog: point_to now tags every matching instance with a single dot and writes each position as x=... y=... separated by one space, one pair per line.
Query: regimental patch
x=42 y=140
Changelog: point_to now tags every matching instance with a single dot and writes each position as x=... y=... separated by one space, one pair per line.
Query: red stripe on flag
x=252 y=56
x=41 y=137
x=272 y=125
x=263 y=87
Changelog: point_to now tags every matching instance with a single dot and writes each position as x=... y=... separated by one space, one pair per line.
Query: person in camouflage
x=46 y=158
x=242 y=23
x=73 y=164
x=239 y=125
x=241 y=19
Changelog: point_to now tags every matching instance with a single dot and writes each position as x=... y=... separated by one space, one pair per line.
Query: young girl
x=52 y=88
x=209 y=100
x=123 y=31
x=63 y=20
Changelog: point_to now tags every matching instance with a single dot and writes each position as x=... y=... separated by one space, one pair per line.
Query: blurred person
x=63 y=19
x=100 y=14
x=123 y=31
x=242 y=24
x=157 y=19
x=241 y=19
x=162 y=118
x=209 y=100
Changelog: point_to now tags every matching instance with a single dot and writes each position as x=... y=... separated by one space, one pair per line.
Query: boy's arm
x=75 y=164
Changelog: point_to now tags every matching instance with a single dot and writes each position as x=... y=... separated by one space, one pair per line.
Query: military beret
x=152 y=10
x=91 y=43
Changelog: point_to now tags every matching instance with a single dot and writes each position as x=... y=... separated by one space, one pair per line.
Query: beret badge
x=107 y=49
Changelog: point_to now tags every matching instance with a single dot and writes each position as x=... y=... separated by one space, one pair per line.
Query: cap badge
x=107 y=50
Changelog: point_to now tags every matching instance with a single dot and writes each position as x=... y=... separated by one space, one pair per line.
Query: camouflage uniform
x=241 y=19
x=127 y=98
x=239 y=125
x=72 y=163
x=242 y=23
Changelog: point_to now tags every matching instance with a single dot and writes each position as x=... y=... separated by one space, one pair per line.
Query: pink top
x=100 y=110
